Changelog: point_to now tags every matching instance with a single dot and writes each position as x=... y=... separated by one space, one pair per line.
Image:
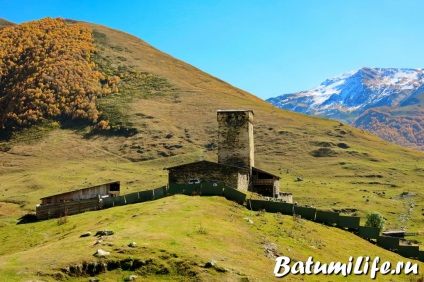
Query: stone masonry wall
x=235 y=138
x=205 y=172
x=243 y=181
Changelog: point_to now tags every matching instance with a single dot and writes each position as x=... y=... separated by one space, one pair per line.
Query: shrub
x=62 y=220
x=103 y=125
x=375 y=219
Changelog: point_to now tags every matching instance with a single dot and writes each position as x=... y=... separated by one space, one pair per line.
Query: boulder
x=86 y=234
x=210 y=264
x=101 y=253
x=104 y=233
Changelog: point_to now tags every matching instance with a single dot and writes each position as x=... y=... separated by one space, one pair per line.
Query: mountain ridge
x=349 y=96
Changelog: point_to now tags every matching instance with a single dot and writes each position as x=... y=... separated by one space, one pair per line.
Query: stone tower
x=235 y=138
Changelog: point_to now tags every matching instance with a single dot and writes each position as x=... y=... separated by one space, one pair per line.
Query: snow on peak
x=355 y=91
x=348 y=87
x=397 y=78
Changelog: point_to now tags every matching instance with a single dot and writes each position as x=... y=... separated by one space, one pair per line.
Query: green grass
x=175 y=231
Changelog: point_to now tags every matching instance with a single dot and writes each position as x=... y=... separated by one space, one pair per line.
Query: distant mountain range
x=385 y=101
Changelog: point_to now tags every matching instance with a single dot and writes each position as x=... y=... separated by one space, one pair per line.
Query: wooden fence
x=67 y=208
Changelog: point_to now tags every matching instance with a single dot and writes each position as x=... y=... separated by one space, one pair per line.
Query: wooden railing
x=263 y=182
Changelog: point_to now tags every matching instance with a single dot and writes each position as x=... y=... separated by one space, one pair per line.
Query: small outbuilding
x=111 y=189
x=76 y=201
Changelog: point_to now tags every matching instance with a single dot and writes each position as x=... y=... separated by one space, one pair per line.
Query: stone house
x=206 y=171
x=236 y=159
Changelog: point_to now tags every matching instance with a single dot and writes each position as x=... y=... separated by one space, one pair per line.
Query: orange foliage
x=45 y=72
x=103 y=125
x=407 y=131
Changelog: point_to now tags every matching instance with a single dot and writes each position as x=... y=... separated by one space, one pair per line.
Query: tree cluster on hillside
x=46 y=73
x=405 y=131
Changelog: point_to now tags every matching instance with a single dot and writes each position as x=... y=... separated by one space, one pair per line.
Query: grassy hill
x=164 y=114
x=213 y=229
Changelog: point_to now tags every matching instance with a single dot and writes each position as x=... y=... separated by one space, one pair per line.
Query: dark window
x=114 y=186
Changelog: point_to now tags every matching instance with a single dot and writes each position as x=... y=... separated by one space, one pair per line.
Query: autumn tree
x=46 y=72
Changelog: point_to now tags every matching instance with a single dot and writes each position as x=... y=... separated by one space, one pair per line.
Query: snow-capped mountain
x=347 y=96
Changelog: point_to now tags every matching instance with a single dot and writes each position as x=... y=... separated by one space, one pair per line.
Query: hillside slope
x=402 y=125
x=214 y=230
x=167 y=110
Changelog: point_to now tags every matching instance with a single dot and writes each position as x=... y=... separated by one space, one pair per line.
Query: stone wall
x=208 y=171
x=277 y=189
x=286 y=197
x=243 y=181
x=235 y=138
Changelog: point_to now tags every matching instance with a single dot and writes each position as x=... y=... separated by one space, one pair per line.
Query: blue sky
x=266 y=47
